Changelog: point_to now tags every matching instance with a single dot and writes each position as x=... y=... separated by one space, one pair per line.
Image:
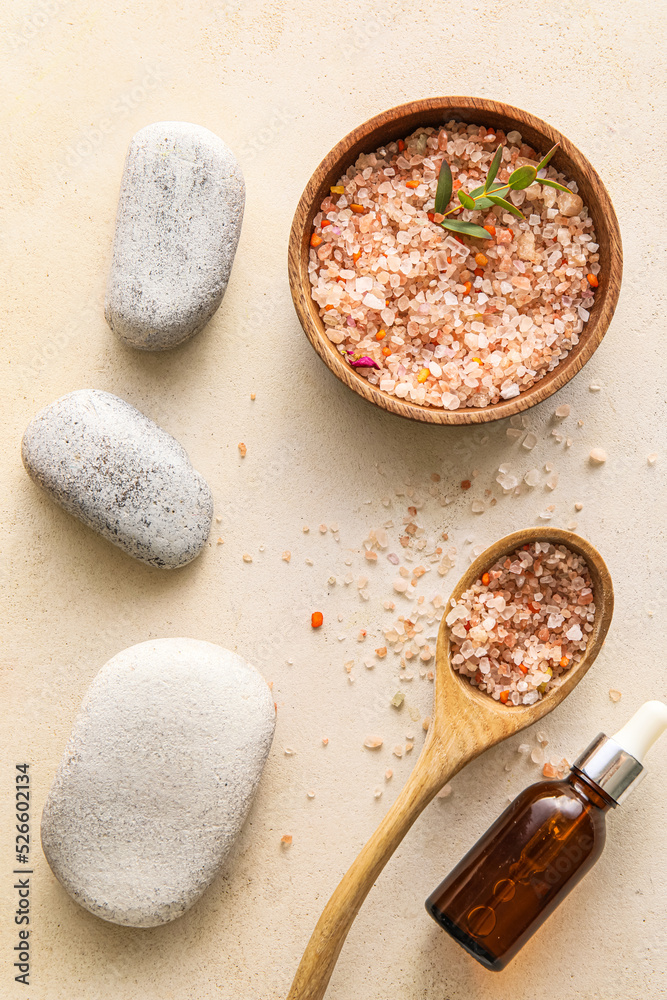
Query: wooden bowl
x=435 y=111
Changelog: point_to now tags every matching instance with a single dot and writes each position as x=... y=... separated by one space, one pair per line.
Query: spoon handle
x=319 y=959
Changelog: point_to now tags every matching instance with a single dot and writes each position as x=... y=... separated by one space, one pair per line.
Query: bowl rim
x=367 y=137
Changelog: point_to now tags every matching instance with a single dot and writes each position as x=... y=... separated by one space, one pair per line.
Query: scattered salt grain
x=652 y=458
x=597 y=456
x=373 y=742
x=614 y=694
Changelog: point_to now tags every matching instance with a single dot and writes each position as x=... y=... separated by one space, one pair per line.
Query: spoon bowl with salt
x=465 y=723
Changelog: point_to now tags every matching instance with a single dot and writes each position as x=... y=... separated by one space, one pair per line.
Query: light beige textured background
x=281 y=82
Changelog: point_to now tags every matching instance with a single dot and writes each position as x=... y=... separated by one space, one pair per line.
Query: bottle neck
x=587 y=789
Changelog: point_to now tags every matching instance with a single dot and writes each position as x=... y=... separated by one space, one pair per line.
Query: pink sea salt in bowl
x=435 y=302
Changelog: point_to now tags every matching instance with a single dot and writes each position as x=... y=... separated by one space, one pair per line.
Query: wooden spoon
x=465 y=722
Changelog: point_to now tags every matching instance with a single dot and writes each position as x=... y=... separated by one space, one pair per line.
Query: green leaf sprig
x=488 y=194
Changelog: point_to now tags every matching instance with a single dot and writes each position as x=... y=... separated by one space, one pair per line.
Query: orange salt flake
x=220 y=541
x=479 y=273
x=382 y=651
x=465 y=484
x=592 y=280
x=381 y=334
x=325 y=741
x=337 y=189
x=564 y=661
x=370 y=556
x=386 y=351
x=504 y=695
x=491 y=230
x=358 y=209
x=412 y=184
x=481 y=260
x=316 y=240
x=243 y=449
x=388 y=774
x=486 y=579
x=287 y=555
x=356 y=256
x=401 y=145
x=614 y=694
x=325 y=222
x=286 y=840
x=423 y=375
x=329 y=308
x=549 y=771
x=316 y=619
x=253 y=395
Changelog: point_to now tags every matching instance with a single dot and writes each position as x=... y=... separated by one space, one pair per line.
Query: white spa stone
x=157 y=779
x=114 y=469
x=178 y=224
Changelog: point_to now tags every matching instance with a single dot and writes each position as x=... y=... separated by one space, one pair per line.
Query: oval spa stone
x=157 y=779
x=177 y=228
x=122 y=475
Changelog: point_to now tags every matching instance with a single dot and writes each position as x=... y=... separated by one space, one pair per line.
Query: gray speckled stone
x=157 y=779
x=122 y=475
x=177 y=228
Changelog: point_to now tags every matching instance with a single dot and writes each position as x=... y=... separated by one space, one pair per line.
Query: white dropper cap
x=646 y=726
x=614 y=763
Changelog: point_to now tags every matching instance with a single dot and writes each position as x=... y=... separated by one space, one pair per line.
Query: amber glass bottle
x=541 y=846
x=522 y=867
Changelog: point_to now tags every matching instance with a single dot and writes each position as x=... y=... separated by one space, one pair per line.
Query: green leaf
x=468 y=228
x=507 y=205
x=466 y=200
x=522 y=177
x=493 y=169
x=443 y=192
x=553 y=184
x=543 y=163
